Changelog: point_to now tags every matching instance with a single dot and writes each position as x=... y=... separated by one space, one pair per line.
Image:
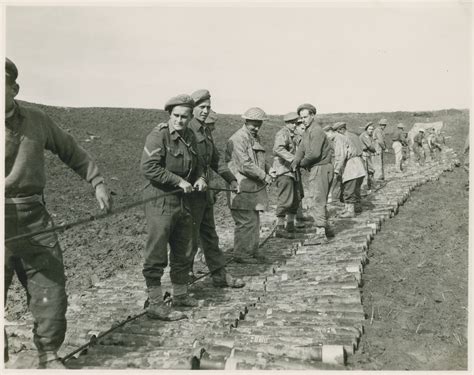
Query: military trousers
x=38 y=264
x=377 y=163
x=398 y=150
x=336 y=190
x=288 y=198
x=352 y=190
x=419 y=152
x=319 y=185
x=204 y=233
x=246 y=232
x=169 y=222
x=369 y=171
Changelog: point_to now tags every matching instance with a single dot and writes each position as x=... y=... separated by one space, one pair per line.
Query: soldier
x=380 y=147
x=286 y=182
x=169 y=163
x=202 y=203
x=368 y=150
x=348 y=163
x=335 y=195
x=418 y=149
x=433 y=144
x=245 y=157
x=37 y=260
x=399 y=141
x=314 y=154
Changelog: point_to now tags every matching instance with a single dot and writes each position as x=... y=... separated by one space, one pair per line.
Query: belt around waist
x=23 y=200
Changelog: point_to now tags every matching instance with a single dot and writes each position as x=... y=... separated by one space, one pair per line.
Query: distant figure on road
x=380 y=147
x=349 y=165
x=286 y=182
x=368 y=151
x=170 y=162
x=245 y=157
x=38 y=261
x=202 y=203
x=418 y=149
x=399 y=141
x=314 y=154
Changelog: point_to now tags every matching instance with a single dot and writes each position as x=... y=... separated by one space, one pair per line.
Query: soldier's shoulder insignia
x=163 y=125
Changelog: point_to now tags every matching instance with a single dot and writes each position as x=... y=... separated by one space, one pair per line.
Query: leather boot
x=280 y=232
x=182 y=298
x=223 y=279
x=319 y=237
x=157 y=309
x=349 y=211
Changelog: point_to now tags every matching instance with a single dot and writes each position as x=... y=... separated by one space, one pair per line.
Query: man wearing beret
x=245 y=157
x=171 y=165
x=368 y=150
x=418 y=149
x=380 y=147
x=314 y=154
x=202 y=203
x=399 y=141
x=349 y=165
x=286 y=182
x=37 y=260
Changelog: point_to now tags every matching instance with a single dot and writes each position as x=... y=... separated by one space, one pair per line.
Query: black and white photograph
x=265 y=185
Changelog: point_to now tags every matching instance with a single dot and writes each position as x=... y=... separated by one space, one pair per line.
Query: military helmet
x=255 y=113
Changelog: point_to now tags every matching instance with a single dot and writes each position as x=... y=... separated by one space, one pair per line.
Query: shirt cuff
x=97 y=181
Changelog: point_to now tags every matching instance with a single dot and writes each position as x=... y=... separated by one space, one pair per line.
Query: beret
x=10 y=69
x=383 y=122
x=307 y=106
x=211 y=118
x=338 y=125
x=327 y=128
x=400 y=125
x=182 y=100
x=200 y=95
x=254 y=113
x=368 y=124
x=292 y=116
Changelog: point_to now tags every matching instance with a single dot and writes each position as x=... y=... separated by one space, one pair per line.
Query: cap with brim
x=183 y=100
x=368 y=124
x=327 y=128
x=200 y=95
x=421 y=130
x=338 y=125
x=400 y=126
x=255 y=113
x=383 y=122
x=307 y=106
x=10 y=69
x=290 y=117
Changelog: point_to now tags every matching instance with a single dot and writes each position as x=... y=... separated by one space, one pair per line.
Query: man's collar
x=16 y=109
x=173 y=132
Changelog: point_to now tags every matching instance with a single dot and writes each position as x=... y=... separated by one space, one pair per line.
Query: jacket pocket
x=175 y=161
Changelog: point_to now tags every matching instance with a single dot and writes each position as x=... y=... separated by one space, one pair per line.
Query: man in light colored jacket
x=368 y=151
x=245 y=157
x=349 y=165
x=287 y=185
x=380 y=147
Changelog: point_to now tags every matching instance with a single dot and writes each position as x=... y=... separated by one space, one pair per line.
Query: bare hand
x=103 y=197
x=186 y=186
x=235 y=186
x=200 y=184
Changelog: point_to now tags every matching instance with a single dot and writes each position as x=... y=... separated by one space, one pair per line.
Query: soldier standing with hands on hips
x=38 y=260
x=169 y=163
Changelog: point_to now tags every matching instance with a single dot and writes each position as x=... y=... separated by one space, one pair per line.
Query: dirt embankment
x=415 y=291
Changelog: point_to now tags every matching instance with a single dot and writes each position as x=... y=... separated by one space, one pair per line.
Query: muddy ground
x=417 y=278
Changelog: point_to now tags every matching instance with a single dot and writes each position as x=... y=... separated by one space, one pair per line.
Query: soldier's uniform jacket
x=379 y=140
x=368 y=144
x=27 y=134
x=207 y=150
x=399 y=137
x=284 y=150
x=169 y=157
x=245 y=157
x=418 y=140
x=315 y=148
x=347 y=156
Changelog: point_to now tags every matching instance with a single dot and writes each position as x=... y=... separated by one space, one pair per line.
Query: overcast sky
x=341 y=58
